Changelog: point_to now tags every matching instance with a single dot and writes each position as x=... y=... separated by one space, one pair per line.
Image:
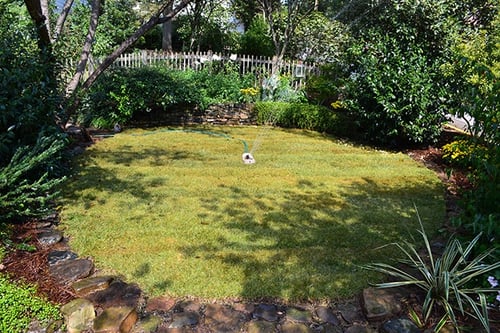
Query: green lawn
x=179 y=213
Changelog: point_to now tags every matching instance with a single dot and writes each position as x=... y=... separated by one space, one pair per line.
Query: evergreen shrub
x=28 y=181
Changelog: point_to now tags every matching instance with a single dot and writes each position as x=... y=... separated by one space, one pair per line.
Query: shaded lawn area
x=179 y=213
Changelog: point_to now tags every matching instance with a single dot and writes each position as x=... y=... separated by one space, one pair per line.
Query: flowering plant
x=249 y=94
x=494 y=284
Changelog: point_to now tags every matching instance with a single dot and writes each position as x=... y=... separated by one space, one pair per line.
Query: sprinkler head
x=248 y=158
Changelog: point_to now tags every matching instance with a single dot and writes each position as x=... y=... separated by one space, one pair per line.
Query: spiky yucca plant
x=444 y=279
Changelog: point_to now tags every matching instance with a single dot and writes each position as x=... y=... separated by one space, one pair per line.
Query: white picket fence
x=260 y=66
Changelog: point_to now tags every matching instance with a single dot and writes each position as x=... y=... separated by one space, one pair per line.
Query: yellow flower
x=337 y=105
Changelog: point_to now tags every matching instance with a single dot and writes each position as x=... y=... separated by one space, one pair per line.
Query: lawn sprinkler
x=248 y=158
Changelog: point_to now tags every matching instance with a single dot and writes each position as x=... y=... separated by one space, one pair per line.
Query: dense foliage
x=390 y=72
x=122 y=93
x=116 y=23
x=473 y=73
x=27 y=183
x=30 y=146
x=256 y=40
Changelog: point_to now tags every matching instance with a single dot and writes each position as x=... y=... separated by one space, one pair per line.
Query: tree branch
x=62 y=18
x=87 y=47
x=108 y=61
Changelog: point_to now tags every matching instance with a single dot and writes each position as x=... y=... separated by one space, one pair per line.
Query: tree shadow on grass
x=312 y=243
x=90 y=175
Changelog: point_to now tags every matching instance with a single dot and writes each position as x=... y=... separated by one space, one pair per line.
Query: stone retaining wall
x=218 y=114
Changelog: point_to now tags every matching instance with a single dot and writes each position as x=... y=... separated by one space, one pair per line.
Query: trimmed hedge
x=305 y=116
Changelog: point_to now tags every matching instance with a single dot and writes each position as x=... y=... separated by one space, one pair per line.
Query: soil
x=32 y=267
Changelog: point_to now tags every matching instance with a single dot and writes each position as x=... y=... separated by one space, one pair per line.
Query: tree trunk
x=87 y=47
x=62 y=18
x=44 y=6
x=35 y=10
x=166 y=40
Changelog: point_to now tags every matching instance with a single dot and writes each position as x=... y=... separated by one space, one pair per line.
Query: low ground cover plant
x=176 y=210
x=19 y=305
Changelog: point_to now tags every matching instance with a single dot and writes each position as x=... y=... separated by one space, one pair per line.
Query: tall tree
x=38 y=11
x=245 y=11
x=283 y=18
x=87 y=47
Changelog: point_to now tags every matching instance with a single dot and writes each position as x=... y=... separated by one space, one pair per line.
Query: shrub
x=28 y=182
x=445 y=280
x=480 y=209
x=122 y=93
x=278 y=88
x=464 y=153
x=19 y=305
x=393 y=92
x=222 y=83
x=327 y=87
x=302 y=115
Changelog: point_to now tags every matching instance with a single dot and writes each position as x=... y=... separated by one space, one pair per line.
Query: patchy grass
x=178 y=212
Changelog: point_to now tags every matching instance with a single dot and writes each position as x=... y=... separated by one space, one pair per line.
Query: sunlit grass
x=179 y=213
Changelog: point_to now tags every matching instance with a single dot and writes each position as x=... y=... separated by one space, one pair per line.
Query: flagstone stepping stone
x=399 y=325
x=118 y=294
x=246 y=308
x=56 y=256
x=160 y=304
x=261 y=326
x=350 y=313
x=116 y=320
x=297 y=315
x=267 y=312
x=381 y=304
x=295 y=328
x=326 y=315
x=149 y=324
x=329 y=328
x=222 y=318
x=79 y=315
x=356 y=328
x=91 y=285
x=188 y=306
x=71 y=270
x=49 y=237
x=184 y=319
